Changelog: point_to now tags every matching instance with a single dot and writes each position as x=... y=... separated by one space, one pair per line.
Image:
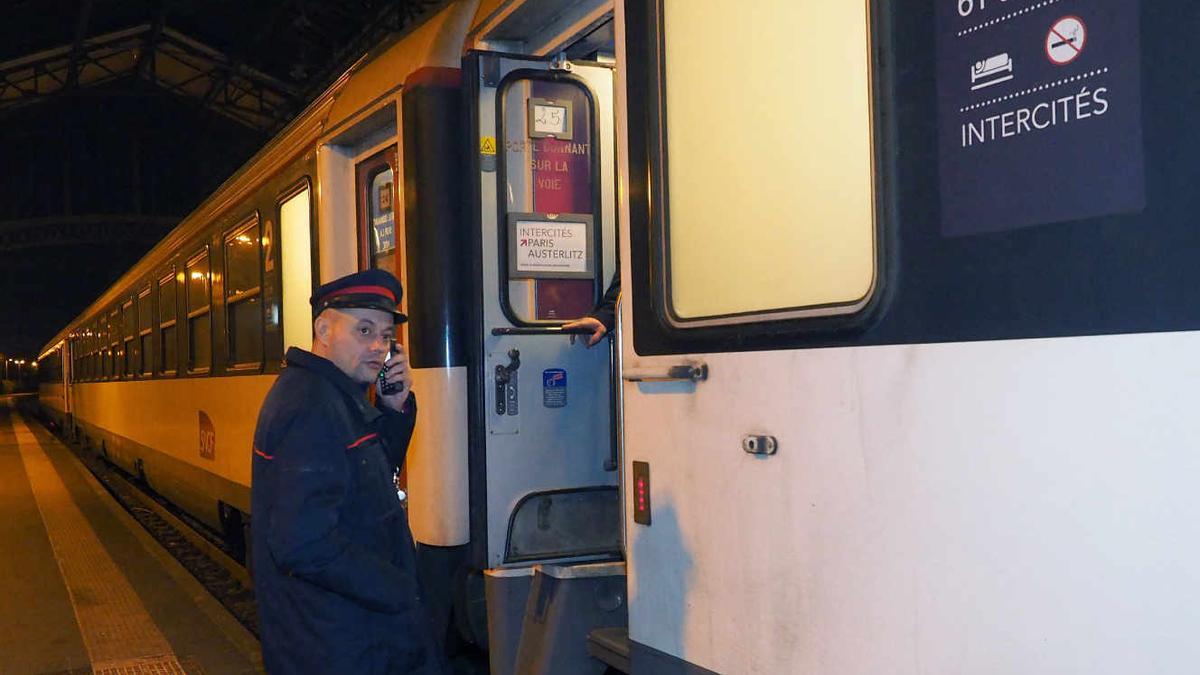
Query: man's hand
x=400 y=374
x=592 y=324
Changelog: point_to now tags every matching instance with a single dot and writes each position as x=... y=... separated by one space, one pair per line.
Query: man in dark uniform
x=334 y=565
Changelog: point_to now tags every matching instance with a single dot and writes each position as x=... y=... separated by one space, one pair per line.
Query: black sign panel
x=1039 y=112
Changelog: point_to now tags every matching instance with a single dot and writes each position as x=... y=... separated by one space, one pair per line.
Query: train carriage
x=902 y=381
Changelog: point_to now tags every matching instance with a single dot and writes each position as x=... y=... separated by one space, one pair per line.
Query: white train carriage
x=905 y=356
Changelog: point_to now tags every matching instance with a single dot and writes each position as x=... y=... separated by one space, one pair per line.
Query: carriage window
x=243 y=301
x=199 y=317
x=145 y=331
x=116 y=358
x=167 y=324
x=76 y=374
x=377 y=199
x=775 y=219
x=128 y=313
x=97 y=345
x=98 y=349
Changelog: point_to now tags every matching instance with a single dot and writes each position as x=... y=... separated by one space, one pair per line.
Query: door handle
x=683 y=372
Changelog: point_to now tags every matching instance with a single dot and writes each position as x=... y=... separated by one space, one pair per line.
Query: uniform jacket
x=334 y=565
x=606 y=311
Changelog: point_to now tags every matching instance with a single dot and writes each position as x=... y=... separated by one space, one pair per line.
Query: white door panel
x=991 y=507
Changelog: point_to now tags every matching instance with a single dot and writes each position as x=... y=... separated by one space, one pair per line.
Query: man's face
x=355 y=340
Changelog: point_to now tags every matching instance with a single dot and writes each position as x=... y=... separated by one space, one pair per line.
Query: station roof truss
x=258 y=63
x=69 y=230
x=161 y=56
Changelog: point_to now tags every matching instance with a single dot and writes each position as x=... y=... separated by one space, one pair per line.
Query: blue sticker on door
x=554 y=388
x=1039 y=112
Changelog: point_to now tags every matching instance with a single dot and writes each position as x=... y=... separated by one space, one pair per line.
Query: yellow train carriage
x=166 y=370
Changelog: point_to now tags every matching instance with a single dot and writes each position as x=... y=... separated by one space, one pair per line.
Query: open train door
x=751 y=227
x=543 y=466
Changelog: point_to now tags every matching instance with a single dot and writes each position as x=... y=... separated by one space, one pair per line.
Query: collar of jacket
x=325 y=368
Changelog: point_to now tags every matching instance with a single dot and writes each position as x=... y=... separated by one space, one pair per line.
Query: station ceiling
x=255 y=62
x=117 y=117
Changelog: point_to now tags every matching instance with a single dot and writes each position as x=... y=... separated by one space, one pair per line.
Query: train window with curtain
x=243 y=295
x=167 y=325
x=94 y=350
x=106 y=351
x=73 y=347
x=145 y=331
x=199 y=313
x=776 y=221
x=97 y=353
x=129 y=334
x=100 y=369
x=116 y=357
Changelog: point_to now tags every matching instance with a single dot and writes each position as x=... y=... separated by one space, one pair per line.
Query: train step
x=610 y=646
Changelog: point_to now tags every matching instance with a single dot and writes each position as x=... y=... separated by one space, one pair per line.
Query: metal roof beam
x=81 y=24
x=146 y=64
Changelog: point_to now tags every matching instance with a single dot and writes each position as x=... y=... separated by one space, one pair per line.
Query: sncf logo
x=208 y=437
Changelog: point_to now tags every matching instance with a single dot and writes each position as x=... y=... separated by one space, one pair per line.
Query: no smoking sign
x=1064 y=42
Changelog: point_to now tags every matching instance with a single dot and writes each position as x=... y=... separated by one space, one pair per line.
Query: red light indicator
x=641 y=489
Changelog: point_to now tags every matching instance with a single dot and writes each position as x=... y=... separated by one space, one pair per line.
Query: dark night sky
x=75 y=157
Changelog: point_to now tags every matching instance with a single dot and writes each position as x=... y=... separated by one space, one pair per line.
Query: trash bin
x=506 y=590
x=565 y=603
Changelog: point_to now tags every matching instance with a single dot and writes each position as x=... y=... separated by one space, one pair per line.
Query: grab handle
x=683 y=372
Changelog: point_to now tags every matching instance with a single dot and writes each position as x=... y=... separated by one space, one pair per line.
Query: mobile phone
x=388 y=388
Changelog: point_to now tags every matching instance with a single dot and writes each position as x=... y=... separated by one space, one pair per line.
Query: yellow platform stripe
x=118 y=633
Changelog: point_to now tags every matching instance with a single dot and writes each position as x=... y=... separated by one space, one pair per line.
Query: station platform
x=83 y=588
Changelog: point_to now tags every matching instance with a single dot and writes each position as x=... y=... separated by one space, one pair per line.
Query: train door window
x=551 y=177
x=199 y=314
x=116 y=358
x=145 y=331
x=295 y=226
x=129 y=344
x=243 y=294
x=776 y=219
x=167 y=325
x=376 y=197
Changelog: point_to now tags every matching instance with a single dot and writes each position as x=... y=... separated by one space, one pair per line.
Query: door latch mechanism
x=506 y=384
